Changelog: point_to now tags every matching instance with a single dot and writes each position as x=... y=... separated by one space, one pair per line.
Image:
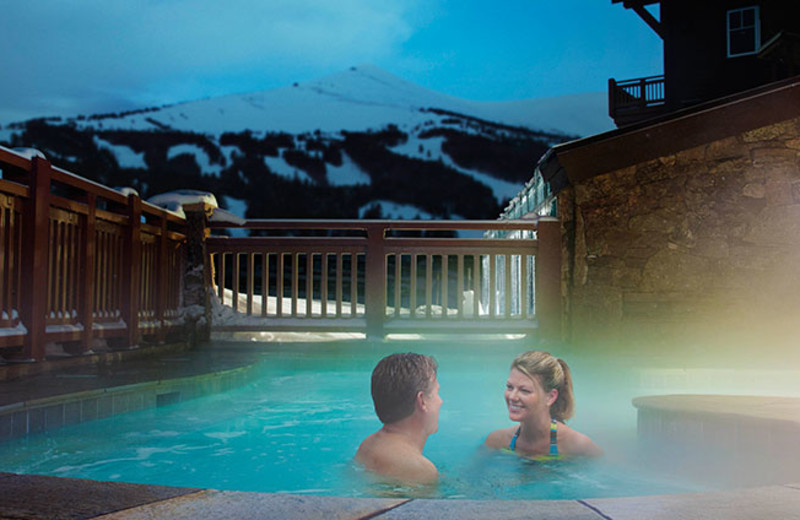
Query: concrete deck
x=41 y=497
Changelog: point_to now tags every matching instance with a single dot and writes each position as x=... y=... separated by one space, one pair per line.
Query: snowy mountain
x=358 y=143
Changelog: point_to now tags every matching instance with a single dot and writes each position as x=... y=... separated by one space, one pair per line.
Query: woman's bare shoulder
x=501 y=438
x=576 y=443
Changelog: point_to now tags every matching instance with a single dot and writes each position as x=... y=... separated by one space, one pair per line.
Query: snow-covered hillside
x=362 y=98
x=358 y=143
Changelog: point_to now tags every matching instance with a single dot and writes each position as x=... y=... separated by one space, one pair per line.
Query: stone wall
x=703 y=241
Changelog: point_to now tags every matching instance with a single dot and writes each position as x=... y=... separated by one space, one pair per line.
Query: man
x=406 y=397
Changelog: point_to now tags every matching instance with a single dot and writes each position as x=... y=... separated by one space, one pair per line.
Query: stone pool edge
x=35 y=497
x=45 y=497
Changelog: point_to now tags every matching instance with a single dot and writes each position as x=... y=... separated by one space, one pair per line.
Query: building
x=683 y=224
x=712 y=48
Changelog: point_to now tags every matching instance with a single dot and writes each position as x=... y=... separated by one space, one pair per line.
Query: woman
x=539 y=397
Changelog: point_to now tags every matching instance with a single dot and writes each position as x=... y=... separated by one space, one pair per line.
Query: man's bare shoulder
x=388 y=455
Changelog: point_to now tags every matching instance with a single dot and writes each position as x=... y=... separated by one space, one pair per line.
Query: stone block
x=427 y=509
x=691 y=157
x=740 y=504
x=756 y=191
x=216 y=504
x=776 y=225
x=771 y=133
x=658 y=221
x=712 y=248
x=30 y=496
x=730 y=170
x=671 y=270
x=766 y=157
x=724 y=149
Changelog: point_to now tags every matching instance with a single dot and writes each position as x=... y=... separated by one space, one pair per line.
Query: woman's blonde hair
x=552 y=373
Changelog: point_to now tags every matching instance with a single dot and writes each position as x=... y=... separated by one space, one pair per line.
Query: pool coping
x=55 y=498
x=35 y=496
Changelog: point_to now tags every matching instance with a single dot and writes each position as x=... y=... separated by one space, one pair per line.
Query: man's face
x=433 y=404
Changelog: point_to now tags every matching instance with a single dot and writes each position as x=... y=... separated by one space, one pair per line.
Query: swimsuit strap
x=553 y=438
x=513 y=444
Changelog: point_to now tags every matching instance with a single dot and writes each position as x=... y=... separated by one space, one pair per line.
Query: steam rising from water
x=301 y=423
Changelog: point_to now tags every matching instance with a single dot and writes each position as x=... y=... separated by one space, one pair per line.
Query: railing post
x=161 y=284
x=87 y=277
x=375 y=281
x=547 y=297
x=131 y=269
x=35 y=255
x=197 y=285
x=643 y=93
x=612 y=98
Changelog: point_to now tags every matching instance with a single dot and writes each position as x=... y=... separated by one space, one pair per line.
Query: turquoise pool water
x=297 y=427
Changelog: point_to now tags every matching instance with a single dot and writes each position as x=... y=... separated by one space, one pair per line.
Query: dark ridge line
x=502 y=126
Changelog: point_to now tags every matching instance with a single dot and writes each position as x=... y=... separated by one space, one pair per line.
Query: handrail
x=345 y=224
x=86 y=271
x=378 y=283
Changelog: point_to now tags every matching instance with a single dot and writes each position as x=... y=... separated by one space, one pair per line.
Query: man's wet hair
x=396 y=381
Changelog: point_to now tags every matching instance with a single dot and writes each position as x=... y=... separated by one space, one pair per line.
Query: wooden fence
x=82 y=265
x=86 y=267
x=382 y=277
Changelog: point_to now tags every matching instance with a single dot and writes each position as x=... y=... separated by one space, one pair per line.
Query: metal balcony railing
x=635 y=99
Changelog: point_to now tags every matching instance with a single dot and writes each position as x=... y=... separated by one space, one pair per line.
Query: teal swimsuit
x=553 y=441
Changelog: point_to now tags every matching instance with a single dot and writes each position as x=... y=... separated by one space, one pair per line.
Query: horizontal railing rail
x=81 y=264
x=381 y=277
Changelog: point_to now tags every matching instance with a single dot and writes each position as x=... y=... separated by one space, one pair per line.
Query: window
x=743 y=31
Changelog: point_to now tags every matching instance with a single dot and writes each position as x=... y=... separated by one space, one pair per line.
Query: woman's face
x=525 y=396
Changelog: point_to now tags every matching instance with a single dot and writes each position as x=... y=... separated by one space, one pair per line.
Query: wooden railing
x=635 y=99
x=376 y=277
x=81 y=264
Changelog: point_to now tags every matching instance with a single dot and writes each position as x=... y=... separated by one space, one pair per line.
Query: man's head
x=397 y=381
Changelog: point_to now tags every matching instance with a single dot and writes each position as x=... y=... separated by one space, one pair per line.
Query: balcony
x=637 y=99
